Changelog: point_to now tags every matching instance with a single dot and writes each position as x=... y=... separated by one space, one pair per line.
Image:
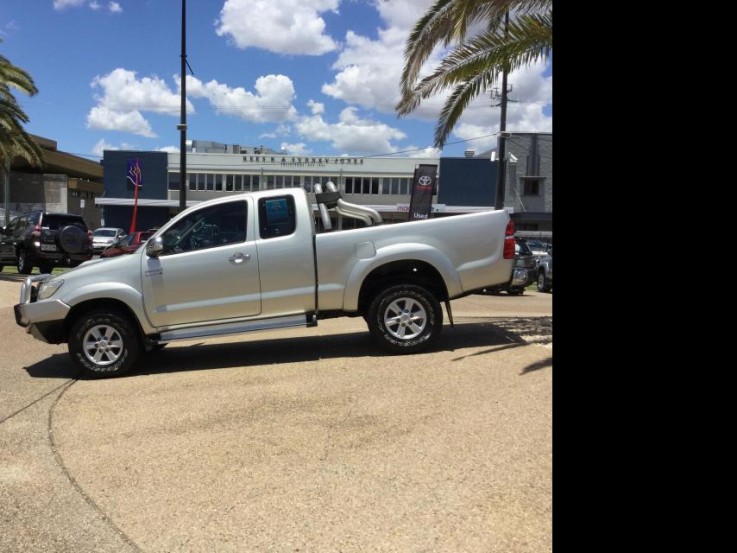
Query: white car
x=106 y=236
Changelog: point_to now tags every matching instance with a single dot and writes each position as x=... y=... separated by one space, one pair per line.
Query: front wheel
x=405 y=319
x=543 y=283
x=104 y=343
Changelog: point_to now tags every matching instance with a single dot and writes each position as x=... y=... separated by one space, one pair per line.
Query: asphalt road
x=304 y=440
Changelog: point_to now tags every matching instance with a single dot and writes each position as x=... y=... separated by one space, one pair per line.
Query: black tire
x=515 y=290
x=405 y=319
x=543 y=284
x=24 y=264
x=1 y=267
x=104 y=343
x=46 y=268
x=73 y=239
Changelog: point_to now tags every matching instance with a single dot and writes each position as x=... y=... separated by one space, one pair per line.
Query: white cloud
x=94 y=5
x=298 y=149
x=101 y=146
x=425 y=152
x=123 y=91
x=61 y=4
x=104 y=118
x=316 y=108
x=123 y=99
x=280 y=26
x=351 y=133
x=271 y=102
x=168 y=149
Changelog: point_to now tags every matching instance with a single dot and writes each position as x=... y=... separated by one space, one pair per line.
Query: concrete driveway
x=304 y=440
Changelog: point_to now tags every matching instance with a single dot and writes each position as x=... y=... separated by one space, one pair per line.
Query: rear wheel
x=104 y=343
x=46 y=268
x=24 y=264
x=515 y=290
x=405 y=319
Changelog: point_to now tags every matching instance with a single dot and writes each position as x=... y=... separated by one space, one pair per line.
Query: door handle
x=239 y=257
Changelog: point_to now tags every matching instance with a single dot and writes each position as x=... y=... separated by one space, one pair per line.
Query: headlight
x=47 y=288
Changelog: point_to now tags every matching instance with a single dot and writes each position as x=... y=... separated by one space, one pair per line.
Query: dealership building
x=463 y=185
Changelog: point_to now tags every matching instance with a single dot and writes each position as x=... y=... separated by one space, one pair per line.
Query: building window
x=531 y=187
x=173 y=181
x=255 y=182
x=404 y=185
x=308 y=183
x=209 y=182
x=229 y=183
x=219 y=183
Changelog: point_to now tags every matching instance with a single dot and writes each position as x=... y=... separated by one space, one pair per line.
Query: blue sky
x=312 y=77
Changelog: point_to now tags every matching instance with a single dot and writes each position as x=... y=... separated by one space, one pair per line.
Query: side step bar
x=237 y=328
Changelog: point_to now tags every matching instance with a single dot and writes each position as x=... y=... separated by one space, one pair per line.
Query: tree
x=490 y=37
x=14 y=141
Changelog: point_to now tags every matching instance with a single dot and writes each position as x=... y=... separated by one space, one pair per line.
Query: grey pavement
x=303 y=440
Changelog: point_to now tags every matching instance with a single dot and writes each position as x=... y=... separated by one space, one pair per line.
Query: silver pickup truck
x=255 y=262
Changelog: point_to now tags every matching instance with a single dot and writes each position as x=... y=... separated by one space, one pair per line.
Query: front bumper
x=44 y=320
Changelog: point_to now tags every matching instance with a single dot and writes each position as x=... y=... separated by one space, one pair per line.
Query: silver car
x=106 y=236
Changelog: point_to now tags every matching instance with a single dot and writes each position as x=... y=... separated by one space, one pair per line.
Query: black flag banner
x=423 y=185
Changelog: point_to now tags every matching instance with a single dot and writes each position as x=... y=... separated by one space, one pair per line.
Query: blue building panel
x=467 y=181
x=154 y=169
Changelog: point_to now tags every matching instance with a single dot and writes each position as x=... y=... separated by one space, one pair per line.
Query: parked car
x=106 y=236
x=523 y=274
x=538 y=248
x=545 y=273
x=45 y=240
x=127 y=244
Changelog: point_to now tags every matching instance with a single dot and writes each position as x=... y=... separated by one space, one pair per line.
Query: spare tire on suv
x=73 y=239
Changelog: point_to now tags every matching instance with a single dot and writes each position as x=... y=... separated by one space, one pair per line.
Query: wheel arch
x=411 y=271
x=108 y=304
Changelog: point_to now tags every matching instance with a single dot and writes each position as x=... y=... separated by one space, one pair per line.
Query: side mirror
x=154 y=247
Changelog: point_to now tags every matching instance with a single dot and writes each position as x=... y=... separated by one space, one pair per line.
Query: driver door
x=208 y=272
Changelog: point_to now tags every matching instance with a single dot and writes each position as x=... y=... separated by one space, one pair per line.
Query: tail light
x=509 y=241
x=36 y=233
x=89 y=236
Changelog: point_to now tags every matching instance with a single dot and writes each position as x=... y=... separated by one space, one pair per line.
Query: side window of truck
x=219 y=225
x=277 y=216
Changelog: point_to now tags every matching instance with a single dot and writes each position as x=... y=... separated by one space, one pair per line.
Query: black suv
x=44 y=240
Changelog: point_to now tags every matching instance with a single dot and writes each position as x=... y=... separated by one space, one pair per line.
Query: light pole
x=501 y=174
x=183 y=118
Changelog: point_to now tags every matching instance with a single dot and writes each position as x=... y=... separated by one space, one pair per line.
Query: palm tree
x=14 y=141
x=512 y=34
